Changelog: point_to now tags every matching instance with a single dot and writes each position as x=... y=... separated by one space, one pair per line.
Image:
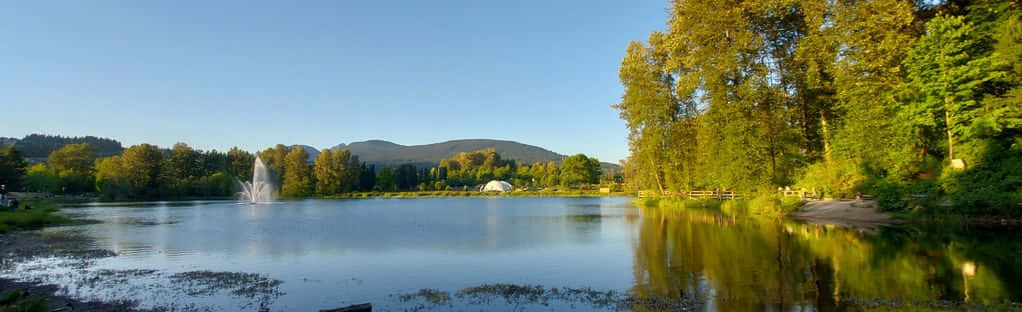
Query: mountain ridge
x=381 y=153
x=386 y=153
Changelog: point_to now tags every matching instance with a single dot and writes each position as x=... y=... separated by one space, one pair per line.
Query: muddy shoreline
x=254 y=291
x=21 y=246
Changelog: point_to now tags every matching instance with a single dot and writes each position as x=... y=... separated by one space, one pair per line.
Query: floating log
x=365 y=307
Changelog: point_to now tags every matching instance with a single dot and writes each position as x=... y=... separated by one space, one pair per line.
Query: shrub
x=837 y=178
x=890 y=196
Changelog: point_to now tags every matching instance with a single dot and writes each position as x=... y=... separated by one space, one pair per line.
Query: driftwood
x=365 y=307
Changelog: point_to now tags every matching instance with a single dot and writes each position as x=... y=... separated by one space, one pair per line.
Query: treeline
x=336 y=172
x=141 y=172
x=146 y=172
x=41 y=145
x=888 y=97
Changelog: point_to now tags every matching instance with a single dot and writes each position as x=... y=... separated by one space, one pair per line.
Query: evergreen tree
x=241 y=163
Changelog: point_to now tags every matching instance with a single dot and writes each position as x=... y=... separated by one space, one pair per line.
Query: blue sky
x=216 y=74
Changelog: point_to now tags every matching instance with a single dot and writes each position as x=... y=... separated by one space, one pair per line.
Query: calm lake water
x=332 y=253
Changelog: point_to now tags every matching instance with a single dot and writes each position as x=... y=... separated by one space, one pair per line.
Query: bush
x=837 y=178
x=986 y=189
x=890 y=196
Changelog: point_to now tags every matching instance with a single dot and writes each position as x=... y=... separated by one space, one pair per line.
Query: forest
x=917 y=103
x=147 y=172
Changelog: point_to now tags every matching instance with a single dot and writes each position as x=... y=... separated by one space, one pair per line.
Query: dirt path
x=853 y=214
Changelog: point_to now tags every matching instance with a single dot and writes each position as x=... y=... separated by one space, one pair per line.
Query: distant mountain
x=384 y=153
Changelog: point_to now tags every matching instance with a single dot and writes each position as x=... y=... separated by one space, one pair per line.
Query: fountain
x=260 y=190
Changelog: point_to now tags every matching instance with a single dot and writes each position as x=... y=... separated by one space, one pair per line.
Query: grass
x=16 y=300
x=769 y=206
x=41 y=215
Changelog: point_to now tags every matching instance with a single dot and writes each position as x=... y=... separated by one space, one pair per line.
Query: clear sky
x=216 y=74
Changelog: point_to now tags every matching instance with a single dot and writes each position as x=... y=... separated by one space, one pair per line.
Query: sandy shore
x=861 y=215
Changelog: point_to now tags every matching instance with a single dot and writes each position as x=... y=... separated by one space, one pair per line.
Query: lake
x=515 y=253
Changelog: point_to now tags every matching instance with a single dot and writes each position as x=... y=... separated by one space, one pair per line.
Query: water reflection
x=330 y=253
x=745 y=263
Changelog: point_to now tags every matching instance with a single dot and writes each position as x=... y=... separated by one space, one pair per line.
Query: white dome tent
x=496 y=186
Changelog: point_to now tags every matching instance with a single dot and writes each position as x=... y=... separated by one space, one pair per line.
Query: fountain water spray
x=260 y=189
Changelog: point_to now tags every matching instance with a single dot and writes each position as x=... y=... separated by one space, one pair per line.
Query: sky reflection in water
x=331 y=253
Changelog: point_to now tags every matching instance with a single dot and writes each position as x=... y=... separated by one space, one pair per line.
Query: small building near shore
x=496 y=186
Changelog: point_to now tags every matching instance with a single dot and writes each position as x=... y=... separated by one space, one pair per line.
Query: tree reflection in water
x=750 y=263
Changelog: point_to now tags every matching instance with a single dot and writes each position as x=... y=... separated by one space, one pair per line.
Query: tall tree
x=12 y=168
x=144 y=170
x=875 y=36
x=649 y=107
x=579 y=170
x=185 y=163
x=328 y=171
x=367 y=177
x=241 y=163
x=273 y=158
x=297 y=176
x=111 y=178
x=73 y=164
x=76 y=158
x=946 y=70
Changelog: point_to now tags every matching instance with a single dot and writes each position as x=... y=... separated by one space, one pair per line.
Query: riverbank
x=858 y=214
x=32 y=214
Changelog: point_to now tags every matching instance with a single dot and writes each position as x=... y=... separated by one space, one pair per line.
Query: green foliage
x=39 y=146
x=185 y=164
x=947 y=69
x=12 y=167
x=42 y=214
x=839 y=178
x=111 y=179
x=367 y=177
x=273 y=158
x=297 y=177
x=144 y=173
x=834 y=96
x=39 y=178
x=73 y=165
x=387 y=180
x=890 y=195
x=144 y=170
x=18 y=301
x=336 y=172
x=241 y=163
x=579 y=170
x=993 y=186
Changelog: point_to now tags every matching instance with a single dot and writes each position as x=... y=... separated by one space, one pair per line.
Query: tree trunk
x=656 y=175
x=826 y=135
x=950 y=139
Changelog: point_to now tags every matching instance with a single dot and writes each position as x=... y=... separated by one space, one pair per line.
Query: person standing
x=3 y=195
